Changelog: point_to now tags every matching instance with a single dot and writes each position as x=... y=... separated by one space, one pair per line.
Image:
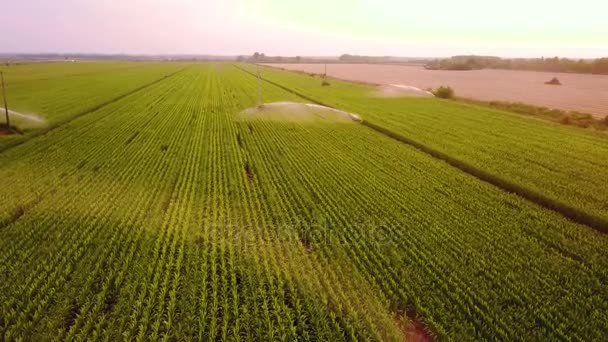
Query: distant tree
x=444 y=92
x=298 y=59
x=553 y=64
x=256 y=55
x=345 y=57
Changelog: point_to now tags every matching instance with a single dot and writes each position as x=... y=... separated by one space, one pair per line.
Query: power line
x=8 y=124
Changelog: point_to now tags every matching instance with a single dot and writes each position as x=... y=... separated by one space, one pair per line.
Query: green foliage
x=60 y=92
x=555 y=64
x=444 y=92
x=272 y=230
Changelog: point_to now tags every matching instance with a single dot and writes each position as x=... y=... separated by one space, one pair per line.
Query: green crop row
x=135 y=235
x=564 y=164
x=54 y=94
x=170 y=215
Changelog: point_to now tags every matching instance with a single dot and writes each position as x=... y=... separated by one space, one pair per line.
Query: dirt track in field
x=581 y=92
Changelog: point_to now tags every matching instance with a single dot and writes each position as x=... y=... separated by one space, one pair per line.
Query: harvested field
x=585 y=93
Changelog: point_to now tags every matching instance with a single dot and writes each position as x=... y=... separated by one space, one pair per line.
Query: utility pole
x=259 y=88
x=8 y=124
x=325 y=74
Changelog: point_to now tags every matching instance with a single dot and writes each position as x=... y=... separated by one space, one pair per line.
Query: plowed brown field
x=581 y=92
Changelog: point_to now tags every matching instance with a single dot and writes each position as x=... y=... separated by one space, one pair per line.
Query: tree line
x=554 y=64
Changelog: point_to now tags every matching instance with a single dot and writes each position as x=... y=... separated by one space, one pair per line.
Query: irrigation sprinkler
x=8 y=124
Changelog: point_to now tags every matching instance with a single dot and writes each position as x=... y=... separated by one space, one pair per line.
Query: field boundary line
x=573 y=214
x=82 y=113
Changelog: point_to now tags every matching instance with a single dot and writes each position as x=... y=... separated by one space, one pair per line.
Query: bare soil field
x=581 y=92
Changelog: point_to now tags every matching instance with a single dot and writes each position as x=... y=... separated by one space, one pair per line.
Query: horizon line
x=19 y=54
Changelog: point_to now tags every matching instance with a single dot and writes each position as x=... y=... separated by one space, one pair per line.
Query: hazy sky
x=308 y=27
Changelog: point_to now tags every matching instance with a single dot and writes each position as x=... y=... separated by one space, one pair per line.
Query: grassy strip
x=573 y=118
x=94 y=108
